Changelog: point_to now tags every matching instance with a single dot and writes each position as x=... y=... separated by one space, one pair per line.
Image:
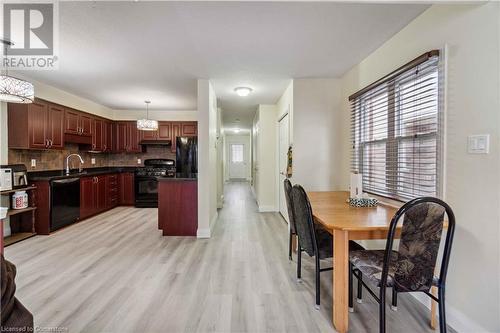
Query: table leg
x=340 y=280
x=433 y=309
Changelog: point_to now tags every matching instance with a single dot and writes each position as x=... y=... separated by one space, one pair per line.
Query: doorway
x=238 y=161
x=284 y=143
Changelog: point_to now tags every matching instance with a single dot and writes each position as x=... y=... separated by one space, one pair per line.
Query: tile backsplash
x=55 y=159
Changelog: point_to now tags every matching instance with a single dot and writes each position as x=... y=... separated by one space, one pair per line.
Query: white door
x=237 y=161
x=284 y=143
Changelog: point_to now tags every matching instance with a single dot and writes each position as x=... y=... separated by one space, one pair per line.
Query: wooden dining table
x=333 y=212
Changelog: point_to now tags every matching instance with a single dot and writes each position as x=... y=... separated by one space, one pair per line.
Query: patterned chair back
x=304 y=223
x=289 y=205
x=415 y=262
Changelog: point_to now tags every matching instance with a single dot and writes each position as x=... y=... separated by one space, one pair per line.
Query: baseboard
x=220 y=203
x=266 y=209
x=455 y=318
x=206 y=232
x=203 y=233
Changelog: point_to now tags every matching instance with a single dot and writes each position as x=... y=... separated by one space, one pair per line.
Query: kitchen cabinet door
x=134 y=138
x=189 y=128
x=55 y=126
x=97 y=135
x=176 y=131
x=164 y=130
x=107 y=145
x=87 y=200
x=111 y=191
x=127 y=188
x=86 y=122
x=72 y=121
x=149 y=135
x=100 y=193
x=38 y=118
x=121 y=137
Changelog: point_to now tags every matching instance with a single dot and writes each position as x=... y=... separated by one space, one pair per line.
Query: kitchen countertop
x=180 y=177
x=60 y=174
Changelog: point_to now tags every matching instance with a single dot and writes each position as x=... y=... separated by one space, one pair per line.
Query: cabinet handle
x=46 y=143
x=50 y=143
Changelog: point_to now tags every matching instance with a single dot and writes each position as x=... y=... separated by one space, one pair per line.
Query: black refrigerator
x=186 y=156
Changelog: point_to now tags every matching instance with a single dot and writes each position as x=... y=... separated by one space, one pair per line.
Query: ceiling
x=121 y=53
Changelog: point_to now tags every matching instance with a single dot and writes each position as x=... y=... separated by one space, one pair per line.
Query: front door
x=237 y=161
x=284 y=143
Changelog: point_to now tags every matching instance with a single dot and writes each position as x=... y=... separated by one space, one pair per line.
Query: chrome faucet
x=67 y=163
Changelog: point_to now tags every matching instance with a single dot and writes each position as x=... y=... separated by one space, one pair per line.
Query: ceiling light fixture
x=14 y=90
x=236 y=130
x=243 y=91
x=147 y=124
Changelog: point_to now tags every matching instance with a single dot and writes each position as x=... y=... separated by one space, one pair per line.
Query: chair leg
x=299 y=261
x=351 y=296
x=359 y=298
x=394 y=306
x=317 y=281
x=290 y=246
x=442 y=312
x=382 y=310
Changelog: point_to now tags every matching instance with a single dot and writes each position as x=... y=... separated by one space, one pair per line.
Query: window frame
x=393 y=140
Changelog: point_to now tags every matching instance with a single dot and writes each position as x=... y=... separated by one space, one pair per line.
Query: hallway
x=116 y=273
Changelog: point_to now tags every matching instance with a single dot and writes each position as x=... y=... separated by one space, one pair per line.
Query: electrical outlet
x=92 y=161
x=33 y=163
x=139 y=161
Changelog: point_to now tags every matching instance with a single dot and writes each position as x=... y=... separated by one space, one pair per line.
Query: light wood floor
x=116 y=273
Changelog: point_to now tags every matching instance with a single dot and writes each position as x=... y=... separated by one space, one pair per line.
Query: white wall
x=207 y=158
x=242 y=139
x=316 y=144
x=472 y=181
x=266 y=158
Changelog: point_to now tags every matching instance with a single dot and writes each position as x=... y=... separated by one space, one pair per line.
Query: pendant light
x=14 y=90
x=147 y=124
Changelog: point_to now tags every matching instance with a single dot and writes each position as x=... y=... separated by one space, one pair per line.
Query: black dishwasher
x=64 y=202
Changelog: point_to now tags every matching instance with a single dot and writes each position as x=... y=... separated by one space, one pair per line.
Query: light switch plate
x=478 y=144
x=139 y=161
x=33 y=163
x=92 y=160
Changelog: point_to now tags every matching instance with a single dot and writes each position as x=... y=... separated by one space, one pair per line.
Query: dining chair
x=312 y=238
x=288 y=188
x=411 y=268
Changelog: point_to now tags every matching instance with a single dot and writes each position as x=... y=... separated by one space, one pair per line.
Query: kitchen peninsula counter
x=178 y=205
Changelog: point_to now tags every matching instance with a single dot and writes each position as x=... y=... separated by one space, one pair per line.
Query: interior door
x=237 y=161
x=284 y=143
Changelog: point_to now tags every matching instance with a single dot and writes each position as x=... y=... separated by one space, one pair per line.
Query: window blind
x=396 y=131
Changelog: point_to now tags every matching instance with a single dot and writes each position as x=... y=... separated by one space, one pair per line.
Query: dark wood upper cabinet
x=134 y=138
x=38 y=118
x=86 y=122
x=56 y=126
x=176 y=131
x=164 y=130
x=38 y=125
x=189 y=128
x=121 y=137
x=72 y=121
x=107 y=136
x=97 y=134
x=77 y=122
x=149 y=135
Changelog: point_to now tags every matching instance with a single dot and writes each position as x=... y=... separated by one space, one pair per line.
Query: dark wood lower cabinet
x=127 y=196
x=178 y=207
x=87 y=197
